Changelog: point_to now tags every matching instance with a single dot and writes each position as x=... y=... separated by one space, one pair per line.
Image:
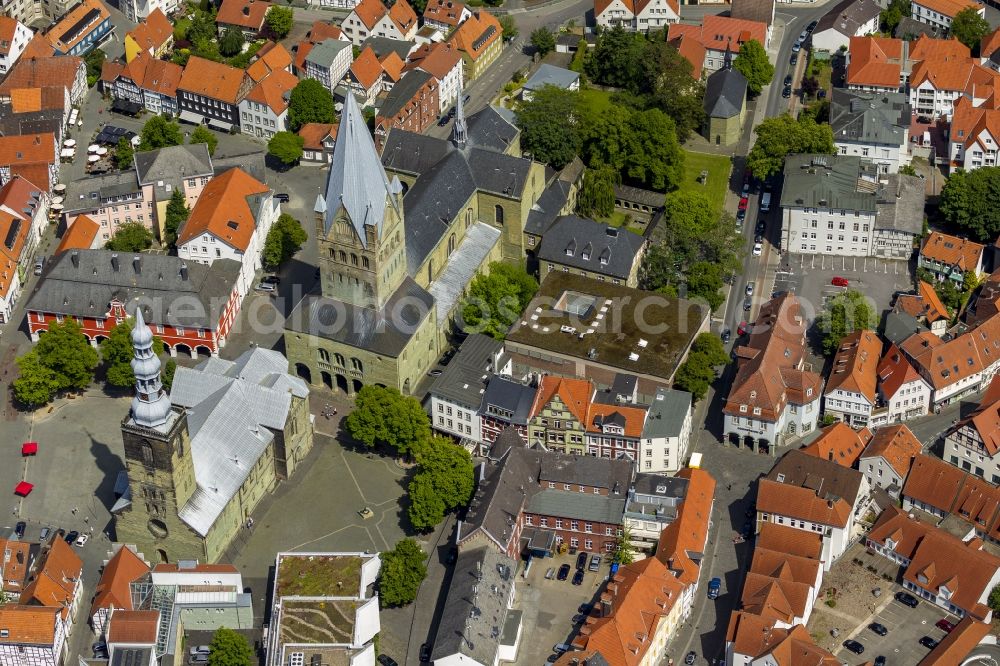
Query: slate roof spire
x=356 y=179
x=460 y=133
x=150 y=406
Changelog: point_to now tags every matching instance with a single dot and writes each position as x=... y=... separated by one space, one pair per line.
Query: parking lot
x=906 y=626
x=548 y=606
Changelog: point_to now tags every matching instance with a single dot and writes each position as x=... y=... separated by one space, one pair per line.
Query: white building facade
x=10 y=52
x=666 y=433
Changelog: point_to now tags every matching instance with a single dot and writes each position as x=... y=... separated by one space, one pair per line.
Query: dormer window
x=743 y=409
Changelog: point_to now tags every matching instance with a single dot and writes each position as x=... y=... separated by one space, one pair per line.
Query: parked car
x=726 y=335
x=690 y=657
x=714 y=588
x=39 y=265
x=82 y=540
x=271 y=279
x=880 y=660
x=803 y=36
x=746 y=187
x=877 y=628
x=812 y=26
x=579 y=618
x=595 y=562
x=563 y=572
x=386 y=660
x=19 y=529
x=907 y=599
x=425 y=653
x=749 y=289
x=744 y=202
x=559 y=648
x=786 y=92
x=741 y=214
x=742 y=328
x=839 y=282
x=581 y=559
x=794 y=60
x=585 y=609
x=199 y=659
x=550 y=573
x=44 y=534
x=788 y=80
x=852 y=645
x=444 y=121
x=578 y=577
x=761 y=227
x=944 y=625
x=282 y=197
x=796 y=47
x=266 y=287
x=71 y=537
x=758 y=248
x=747 y=303
x=928 y=642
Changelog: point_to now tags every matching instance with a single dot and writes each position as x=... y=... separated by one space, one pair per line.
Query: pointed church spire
x=460 y=133
x=356 y=180
x=150 y=406
x=728 y=59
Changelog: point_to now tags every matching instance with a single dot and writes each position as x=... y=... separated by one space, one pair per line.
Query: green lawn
x=718 y=167
x=598 y=101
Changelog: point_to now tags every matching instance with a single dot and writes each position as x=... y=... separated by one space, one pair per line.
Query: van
x=765 y=202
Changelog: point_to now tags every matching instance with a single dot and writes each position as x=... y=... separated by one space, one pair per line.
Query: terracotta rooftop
x=943 y=560
x=961 y=253
x=944 y=363
x=36 y=72
x=214 y=80
x=319 y=32
x=438 y=59
x=19 y=202
x=477 y=33
x=154 y=32
x=14 y=568
x=80 y=235
x=808 y=488
x=28 y=624
x=26 y=148
x=784 y=539
x=875 y=61
x=691 y=50
x=444 y=11
x=249 y=14
x=8 y=26
x=56 y=579
x=989 y=43
x=369 y=12
x=575 y=394
x=225 y=211
x=683 y=541
x=274 y=90
x=839 y=443
x=718 y=32
x=894 y=370
x=402 y=14
x=897 y=445
x=855 y=364
x=270 y=58
x=122 y=569
x=985 y=420
x=366 y=69
x=313 y=134
x=134 y=627
x=153 y=74
x=948 y=7
x=925 y=47
x=64 y=35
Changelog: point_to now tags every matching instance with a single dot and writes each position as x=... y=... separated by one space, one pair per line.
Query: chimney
x=606 y=607
x=184 y=272
x=75 y=258
x=137 y=264
x=114 y=262
x=246 y=11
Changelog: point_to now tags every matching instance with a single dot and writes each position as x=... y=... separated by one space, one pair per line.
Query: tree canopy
x=402 y=571
x=384 y=416
x=229 y=648
x=697 y=373
x=286 y=147
x=177 y=213
x=597 y=194
x=279 y=20
x=510 y=29
x=444 y=481
x=497 y=299
x=309 y=102
x=969 y=28
x=782 y=136
x=232 y=41
x=845 y=313
x=158 y=132
x=61 y=360
x=283 y=240
x=543 y=40
x=549 y=125
x=968 y=200
x=202 y=134
x=753 y=63
x=124 y=154
x=130 y=237
x=117 y=354
x=994 y=599
x=95 y=62
x=893 y=14
x=624 y=550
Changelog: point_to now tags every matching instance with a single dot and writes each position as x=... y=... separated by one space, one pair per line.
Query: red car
x=839 y=282
x=944 y=625
x=743 y=203
x=743 y=328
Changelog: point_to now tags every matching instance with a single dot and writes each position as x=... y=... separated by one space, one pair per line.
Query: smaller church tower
x=460 y=132
x=151 y=405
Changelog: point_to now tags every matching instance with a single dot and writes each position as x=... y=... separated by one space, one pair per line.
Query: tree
x=383 y=416
x=752 y=62
x=969 y=27
x=994 y=600
x=177 y=213
x=672 y=86
x=967 y=201
x=279 y=21
x=130 y=237
x=845 y=313
x=907 y=170
x=543 y=40
x=286 y=147
x=549 y=125
x=497 y=299
x=597 y=194
x=510 y=30
x=426 y=507
x=61 y=360
x=117 y=354
x=656 y=160
x=167 y=377
x=202 y=134
x=309 y=102
x=202 y=27
x=124 y=154
x=697 y=373
x=624 y=552
x=617 y=60
x=893 y=14
x=229 y=648
x=158 y=132
x=283 y=241
x=782 y=136
x=448 y=468
x=95 y=62
x=704 y=280
x=402 y=572
x=232 y=41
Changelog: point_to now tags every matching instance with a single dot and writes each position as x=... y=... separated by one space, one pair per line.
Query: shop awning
x=23 y=489
x=29 y=448
x=191 y=117
x=219 y=125
x=126 y=107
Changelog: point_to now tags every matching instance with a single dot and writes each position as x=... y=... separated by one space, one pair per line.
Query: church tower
x=158 y=463
x=359 y=220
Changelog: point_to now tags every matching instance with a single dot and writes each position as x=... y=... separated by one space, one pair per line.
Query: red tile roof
x=8 y=26
x=784 y=539
x=271 y=58
x=801 y=503
x=56 y=580
x=855 y=364
x=402 y=14
x=575 y=394
x=438 y=60
x=949 y=7
x=313 y=134
x=477 y=33
x=366 y=69
x=683 y=541
x=943 y=560
x=214 y=80
x=70 y=19
x=319 y=32
x=634 y=417
x=153 y=33
x=718 y=32
x=35 y=172
x=223 y=210
x=369 y=12
x=875 y=61
x=274 y=90
x=153 y=74
x=444 y=11
x=14 y=568
x=36 y=72
x=894 y=370
x=28 y=148
x=17 y=208
x=925 y=47
x=985 y=420
x=897 y=445
x=121 y=570
x=28 y=624
x=962 y=253
x=80 y=235
x=134 y=627
x=989 y=44
x=839 y=443
x=691 y=50
x=249 y=14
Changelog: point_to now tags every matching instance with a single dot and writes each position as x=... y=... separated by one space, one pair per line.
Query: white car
x=82 y=540
x=758 y=248
x=749 y=289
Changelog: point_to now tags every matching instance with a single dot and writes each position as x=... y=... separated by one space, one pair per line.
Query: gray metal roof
x=581 y=243
x=475 y=611
x=826 y=478
x=615 y=475
x=829 y=181
x=325 y=53
x=510 y=396
x=82 y=283
x=173 y=163
x=232 y=408
x=95 y=191
x=461 y=267
x=550 y=75
x=901 y=325
x=900 y=204
x=910 y=28
x=492 y=129
x=383 y=46
x=725 y=92
x=403 y=91
x=577 y=506
x=356 y=181
x=464 y=379
x=870 y=118
x=252 y=163
x=385 y=331
x=667 y=413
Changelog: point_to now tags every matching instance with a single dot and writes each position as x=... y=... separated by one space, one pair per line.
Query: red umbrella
x=29 y=448
x=23 y=489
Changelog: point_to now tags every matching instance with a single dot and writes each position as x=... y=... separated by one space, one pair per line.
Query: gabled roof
x=19 y=201
x=875 y=61
x=214 y=80
x=30 y=72
x=320 y=31
x=271 y=58
x=248 y=14
x=273 y=92
x=56 y=579
x=15 y=565
x=113 y=589
x=477 y=33
x=934 y=483
x=227 y=208
x=437 y=59
x=8 y=27
x=839 y=443
x=153 y=32
x=847 y=17
x=894 y=370
x=985 y=420
x=942 y=560
x=632 y=419
x=134 y=627
x=27 y=148
x=692 y=50
x=76 y=24
x=961 y=74
x=809 y=488
x=682 y=542
x=314 y=134
x=961 y=253
x=402 y=14
x=153 y=74
x=928 y=48
x=855 y=364
x=575 y=394
x=448 y=12
x=369 y=12
x=725 y=93
x=28 y=624
x=949 y=7
x=785 y=539
x=720 y=32
x=897 y=445
x=586 y=244
x=989 y=44
x=366 y=68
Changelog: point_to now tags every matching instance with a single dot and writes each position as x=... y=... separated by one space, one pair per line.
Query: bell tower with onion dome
x=158 y=463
